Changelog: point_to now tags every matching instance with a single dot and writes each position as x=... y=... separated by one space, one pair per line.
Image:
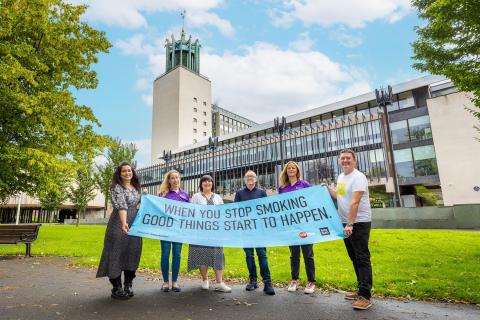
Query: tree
x=52 y=196
x=116 y=153
x=449 y=44
x=83 y=188
x=45 y=50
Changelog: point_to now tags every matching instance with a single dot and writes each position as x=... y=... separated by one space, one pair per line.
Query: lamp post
x=213 y=145
x=384 y=98
x=167 y=156
x=280 y=125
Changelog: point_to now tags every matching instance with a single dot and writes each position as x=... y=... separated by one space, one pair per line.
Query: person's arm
x=237 y=197
x=119 y=203
x=332 y=192
x=352 y=214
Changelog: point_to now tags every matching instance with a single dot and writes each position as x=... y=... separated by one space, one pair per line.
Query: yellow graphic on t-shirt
x=341 y=188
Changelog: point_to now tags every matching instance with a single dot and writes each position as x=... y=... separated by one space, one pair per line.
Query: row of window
x=195 y=100
x=414 y=162
x=204 y=122
x=196 y=110
x=195 y=131
x=413 y=129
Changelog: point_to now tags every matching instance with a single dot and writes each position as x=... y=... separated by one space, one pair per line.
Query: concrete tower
x=182 y=97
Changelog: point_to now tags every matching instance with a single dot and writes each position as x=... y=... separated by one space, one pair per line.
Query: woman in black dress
x=122 y=252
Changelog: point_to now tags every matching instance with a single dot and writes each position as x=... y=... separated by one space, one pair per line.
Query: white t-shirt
x=346 y=185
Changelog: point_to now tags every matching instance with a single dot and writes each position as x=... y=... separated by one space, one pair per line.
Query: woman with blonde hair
x=170 y=189
x=290 y=179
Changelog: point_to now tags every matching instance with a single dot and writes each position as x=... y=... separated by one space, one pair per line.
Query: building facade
x=224 y=121
x=420 y=118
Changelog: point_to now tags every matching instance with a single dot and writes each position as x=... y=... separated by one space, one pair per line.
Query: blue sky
x=264 y=58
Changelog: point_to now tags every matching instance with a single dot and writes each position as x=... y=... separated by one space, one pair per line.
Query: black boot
x=268 y=288
x=117 y=291
x=127 y=285
x=127 y=288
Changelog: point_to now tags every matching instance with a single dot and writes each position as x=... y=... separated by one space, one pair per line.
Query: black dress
x=120 y=251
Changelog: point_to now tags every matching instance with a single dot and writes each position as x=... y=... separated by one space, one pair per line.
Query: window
x=405 y=100
x=195 y=120
x=205 y=103
x=194 y=130
x=420 y=128
x=404 y=162
x=425 y=161
x=362 y=109
x=194 y=140
x=204 y=134
x=194 y=99
x=195 y=110
x=204 y=113
x=399 y=131
x=205 y=123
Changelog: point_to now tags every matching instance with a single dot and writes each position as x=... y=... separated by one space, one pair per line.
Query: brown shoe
x=362 y=304
x=352 y=295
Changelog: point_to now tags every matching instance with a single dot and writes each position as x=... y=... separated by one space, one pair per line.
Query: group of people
x=121 y=253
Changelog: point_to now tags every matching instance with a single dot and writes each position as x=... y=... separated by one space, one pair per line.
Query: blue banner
x=300 y=217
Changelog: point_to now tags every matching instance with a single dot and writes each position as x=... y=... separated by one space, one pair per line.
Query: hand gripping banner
x=301 y=217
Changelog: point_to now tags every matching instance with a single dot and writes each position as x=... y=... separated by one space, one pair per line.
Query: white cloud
x=131 y=14
x=352 y=13
x=345 y=39
x=303 y=43
x=148 y=99
x=279 y=82
x=264 y=77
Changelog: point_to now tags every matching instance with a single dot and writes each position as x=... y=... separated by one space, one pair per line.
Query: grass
x=422 y=264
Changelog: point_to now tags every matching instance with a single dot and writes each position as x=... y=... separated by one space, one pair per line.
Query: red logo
x=303 y=234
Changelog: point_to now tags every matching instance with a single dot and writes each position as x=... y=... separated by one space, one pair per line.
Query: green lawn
x=424 y=264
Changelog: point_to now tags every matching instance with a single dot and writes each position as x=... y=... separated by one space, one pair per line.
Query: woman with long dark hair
x=122 y=252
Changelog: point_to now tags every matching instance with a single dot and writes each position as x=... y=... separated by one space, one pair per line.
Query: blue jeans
x=164 y=262
x=262 y=261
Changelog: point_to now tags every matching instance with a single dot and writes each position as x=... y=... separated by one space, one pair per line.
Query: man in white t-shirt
x=354 y=210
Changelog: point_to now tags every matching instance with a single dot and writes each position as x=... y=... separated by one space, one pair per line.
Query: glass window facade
x=425 y=161
x=404 y=162
x=420 y=128
x=399 y=132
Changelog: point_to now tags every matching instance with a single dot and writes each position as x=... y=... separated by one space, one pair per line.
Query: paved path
x=46 y=288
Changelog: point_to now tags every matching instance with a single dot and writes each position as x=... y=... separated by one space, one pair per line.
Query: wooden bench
x=16 y=233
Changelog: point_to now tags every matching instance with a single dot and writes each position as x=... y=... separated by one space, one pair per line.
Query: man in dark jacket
x=248 y=193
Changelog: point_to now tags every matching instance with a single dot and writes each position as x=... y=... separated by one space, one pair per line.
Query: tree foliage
x=45 y=50
x=83 y=188
x=116 y=153
x=449 y=43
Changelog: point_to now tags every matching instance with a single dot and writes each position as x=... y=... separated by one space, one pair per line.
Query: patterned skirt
x=120 y=251
x=205 y=256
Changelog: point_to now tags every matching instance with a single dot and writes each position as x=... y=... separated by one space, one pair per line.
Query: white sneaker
x=222 y=287
x=293 y=286
x=310 y=288
x=205 y=285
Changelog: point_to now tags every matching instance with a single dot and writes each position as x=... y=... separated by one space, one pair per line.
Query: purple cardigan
x=300 y=184
x=181 y=195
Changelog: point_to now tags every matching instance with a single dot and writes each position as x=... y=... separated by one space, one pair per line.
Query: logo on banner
x=303 y=234
x=324 y=231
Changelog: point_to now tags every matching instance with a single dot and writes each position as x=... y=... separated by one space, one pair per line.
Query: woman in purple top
x=290 y=180
x=170 y=189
